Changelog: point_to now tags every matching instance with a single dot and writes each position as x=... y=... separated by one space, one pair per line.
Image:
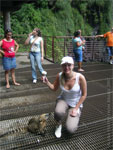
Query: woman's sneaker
x=34 y=81
x=111 y=61
x=58 y=131
x=44 y=73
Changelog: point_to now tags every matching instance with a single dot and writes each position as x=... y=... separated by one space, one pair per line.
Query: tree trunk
x=6 y=17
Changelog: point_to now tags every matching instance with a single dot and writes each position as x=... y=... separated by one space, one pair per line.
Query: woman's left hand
x=45 y=80
x=74 y=112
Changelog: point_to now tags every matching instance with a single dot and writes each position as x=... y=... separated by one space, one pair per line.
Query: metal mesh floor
x=95 y=130
x=89 y=136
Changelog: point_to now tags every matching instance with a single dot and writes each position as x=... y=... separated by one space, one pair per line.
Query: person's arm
x=53 y=86
x=28 y=39
x=79 y=43
x=17 y=47
x=83 y=86
x=42 y=50
x=84 y=41
x=1 y=51
x=99 y=35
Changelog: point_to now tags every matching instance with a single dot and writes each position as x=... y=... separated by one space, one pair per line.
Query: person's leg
x=60 y=110
x=7 y=78
x=12 y=69
x=72 y=122
x=77 y=59
x=80 y=66
x=59 y=114
x=38 y=61
x=112 y=54
x=6 y=65
x=109 y=50
x=33 y=68
x=80 y=59
x=13 y=77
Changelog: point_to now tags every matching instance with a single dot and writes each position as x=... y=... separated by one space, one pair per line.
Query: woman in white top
x=73 y=93
x=36 y=52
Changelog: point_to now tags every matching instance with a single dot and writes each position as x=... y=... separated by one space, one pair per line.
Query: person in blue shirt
x=77 y=48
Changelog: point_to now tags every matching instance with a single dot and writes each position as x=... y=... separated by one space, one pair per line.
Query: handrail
x=55 y=47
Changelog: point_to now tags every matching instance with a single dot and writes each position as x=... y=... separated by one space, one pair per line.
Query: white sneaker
x=111 y=61
x=44 y=73
x=58 y=131
x=34 y=81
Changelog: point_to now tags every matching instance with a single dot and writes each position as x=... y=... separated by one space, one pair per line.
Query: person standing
x=77 y=48
x=109 y=43
x=83 y=39
x=36 y=52
x=73 y=93
x=9 y=48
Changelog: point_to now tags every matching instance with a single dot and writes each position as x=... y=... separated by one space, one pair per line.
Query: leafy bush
x=61 y=18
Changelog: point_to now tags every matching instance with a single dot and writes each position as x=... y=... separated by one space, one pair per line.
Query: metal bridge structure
x=20 y=103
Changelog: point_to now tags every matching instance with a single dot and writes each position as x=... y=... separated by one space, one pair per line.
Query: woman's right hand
x=30 y=33
x=2 y=52
x=45 y=80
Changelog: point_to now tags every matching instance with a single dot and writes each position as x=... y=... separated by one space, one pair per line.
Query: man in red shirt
x=109 y=43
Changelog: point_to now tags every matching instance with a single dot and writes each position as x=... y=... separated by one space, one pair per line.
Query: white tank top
x=73 y=95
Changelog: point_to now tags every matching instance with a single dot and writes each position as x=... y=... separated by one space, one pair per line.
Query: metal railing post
x=64 y=46
x=53 y=48
x=45 y=47
x=93 y=49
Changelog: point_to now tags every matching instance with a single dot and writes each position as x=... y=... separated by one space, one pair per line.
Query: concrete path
x=23 y=61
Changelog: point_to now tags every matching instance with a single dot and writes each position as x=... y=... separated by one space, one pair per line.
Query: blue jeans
x=110 y=50
x=35 y=57
x=78 y=55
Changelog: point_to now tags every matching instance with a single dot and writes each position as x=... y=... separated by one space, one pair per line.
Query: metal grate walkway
x=95 y=130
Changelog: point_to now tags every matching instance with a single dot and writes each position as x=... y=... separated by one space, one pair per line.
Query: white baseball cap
x=67 y=59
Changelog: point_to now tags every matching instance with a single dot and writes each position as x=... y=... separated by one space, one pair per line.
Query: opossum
x=36 y=125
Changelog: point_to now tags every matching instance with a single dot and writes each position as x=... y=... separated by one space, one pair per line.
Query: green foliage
x=26 y=19
x=47 y=23
x=61 y=18
x=63 y=13
x=41 y=3
x=1 y=25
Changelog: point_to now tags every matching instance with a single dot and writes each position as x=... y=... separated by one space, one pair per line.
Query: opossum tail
x=12 y=132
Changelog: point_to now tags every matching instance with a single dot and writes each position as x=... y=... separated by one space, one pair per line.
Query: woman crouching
x=73 y=93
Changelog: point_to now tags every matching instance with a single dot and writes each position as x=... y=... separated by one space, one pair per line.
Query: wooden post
x=6 y=17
